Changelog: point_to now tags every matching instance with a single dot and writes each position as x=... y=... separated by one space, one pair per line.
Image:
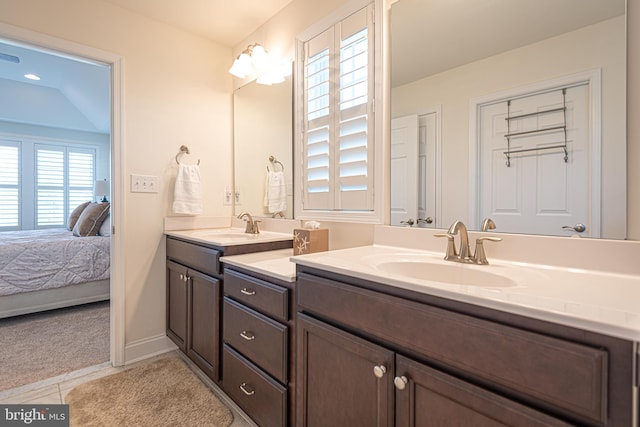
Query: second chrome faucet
x=464 y=255
x=252 y=225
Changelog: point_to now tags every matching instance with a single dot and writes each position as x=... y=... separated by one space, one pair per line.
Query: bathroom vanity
x=393 y=335
x=405 y=358
x=411 y=339
x=194 y=288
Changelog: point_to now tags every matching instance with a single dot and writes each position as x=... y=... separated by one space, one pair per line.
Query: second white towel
x=187 y=197
x=275 y=192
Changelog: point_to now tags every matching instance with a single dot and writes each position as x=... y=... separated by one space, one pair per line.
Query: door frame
x=116 y=63
x=593 y=79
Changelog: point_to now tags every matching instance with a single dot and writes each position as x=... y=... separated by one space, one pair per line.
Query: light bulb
x=260 y=57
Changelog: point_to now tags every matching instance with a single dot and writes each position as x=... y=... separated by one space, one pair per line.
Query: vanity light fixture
x=252 y=59
x=32 y=76
x=275 y=74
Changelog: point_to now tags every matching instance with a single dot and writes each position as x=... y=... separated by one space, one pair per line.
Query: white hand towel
x=187 y=197
x=275 y=192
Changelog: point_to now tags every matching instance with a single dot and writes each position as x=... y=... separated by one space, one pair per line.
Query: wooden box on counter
x=308 y=241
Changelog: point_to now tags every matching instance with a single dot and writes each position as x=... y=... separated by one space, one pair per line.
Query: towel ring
x=183 y=150
x=273 y=161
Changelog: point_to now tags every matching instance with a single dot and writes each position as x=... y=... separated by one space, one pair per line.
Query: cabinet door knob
x=243 y=387
x=379 y=371
x=247 y=335
x=400 y=382
x=182 y=277
x=248 y=291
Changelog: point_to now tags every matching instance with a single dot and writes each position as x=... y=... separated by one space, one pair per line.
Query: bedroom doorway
x=99 y=133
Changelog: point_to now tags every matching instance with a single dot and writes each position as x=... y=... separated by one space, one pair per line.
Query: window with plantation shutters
x=40 y=184
x=337 y=144
x=9 y=185
x=64 y=179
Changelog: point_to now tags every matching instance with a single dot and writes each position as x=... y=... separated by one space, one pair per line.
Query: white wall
x=176 y=91
x=596 y=46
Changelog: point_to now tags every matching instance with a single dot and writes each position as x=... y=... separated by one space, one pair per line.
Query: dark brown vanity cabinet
x=193 y=303
x=373 y=355
x=257 y=336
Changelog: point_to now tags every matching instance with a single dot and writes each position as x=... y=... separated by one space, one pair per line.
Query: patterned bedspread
x=32 y=260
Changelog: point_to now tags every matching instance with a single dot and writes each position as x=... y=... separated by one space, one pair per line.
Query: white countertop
x=597 y=301
x=229 y=236
x=271 y=263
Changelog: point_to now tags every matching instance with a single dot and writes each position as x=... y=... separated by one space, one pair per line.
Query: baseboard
x=148 y=347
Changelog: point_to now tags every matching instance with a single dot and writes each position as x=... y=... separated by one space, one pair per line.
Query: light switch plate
x=144 y=183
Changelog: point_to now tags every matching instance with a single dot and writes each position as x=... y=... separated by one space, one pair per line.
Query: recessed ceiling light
x=32 y=77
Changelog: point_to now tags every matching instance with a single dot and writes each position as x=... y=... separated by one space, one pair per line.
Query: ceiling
x=223 y=21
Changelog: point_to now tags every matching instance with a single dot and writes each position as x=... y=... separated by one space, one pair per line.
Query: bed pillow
x=91 y=219
x=75 y=214
x=105 y=228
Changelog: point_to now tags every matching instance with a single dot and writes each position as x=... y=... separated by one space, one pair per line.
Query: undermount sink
x=456 y=274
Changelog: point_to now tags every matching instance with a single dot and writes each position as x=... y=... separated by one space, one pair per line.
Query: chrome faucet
x=252 y=225
x=479 y=257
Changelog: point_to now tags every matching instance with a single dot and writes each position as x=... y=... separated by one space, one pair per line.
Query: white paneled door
x=538 y=192
x=404 y=170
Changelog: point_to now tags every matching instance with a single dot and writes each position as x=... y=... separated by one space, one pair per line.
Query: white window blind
x=9 y=185
x=337 y=146
x=50 y=187
x=64 y=178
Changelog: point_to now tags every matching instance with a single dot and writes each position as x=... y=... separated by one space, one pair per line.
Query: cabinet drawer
x=258 y=338
x=553 y=373
x=262 y=398
x=265 y=297
x=205 y=260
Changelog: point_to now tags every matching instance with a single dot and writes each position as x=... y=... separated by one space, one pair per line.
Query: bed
x=51 y=268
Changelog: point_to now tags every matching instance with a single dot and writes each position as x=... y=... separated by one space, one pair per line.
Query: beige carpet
x=38 y=346
x=164 y=392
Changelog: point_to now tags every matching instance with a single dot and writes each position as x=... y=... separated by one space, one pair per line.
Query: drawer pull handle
x=247 y=335
x=249 y=292
x=400 y=382
x=245 y=391
x=379 y=371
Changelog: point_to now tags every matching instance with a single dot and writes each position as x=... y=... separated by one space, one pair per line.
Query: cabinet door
x=427 y=397
x=177 y=304
x=204 y=323
x=342 y=380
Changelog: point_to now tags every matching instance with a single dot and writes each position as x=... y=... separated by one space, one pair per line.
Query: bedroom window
x=40 y=184
x=64 y=179
x=9 y=185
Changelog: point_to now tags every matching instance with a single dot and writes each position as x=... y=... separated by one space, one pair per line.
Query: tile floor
x=54 y=390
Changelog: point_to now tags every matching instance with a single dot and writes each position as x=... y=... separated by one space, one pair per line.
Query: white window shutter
x=338 y=116
x=50 y=206
x=9 y=185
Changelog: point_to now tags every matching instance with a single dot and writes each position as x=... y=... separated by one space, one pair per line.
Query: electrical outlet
x=144 y=183
x=226 y=197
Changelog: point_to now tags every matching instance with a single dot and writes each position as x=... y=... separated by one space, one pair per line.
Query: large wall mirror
x=263 y=149
x=542 y=80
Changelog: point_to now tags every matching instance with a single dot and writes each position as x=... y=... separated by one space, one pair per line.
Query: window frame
x=378 y=154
